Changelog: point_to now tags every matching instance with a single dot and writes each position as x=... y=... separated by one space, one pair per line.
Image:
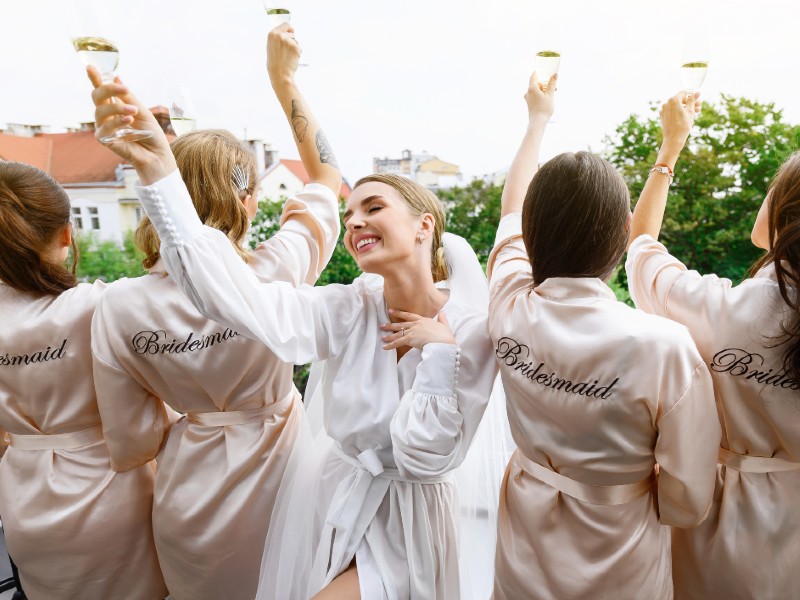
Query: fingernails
x=130 y=108
x=127 y=119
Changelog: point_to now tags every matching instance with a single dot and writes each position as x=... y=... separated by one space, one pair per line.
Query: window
x=138 y=214
x=95 y=217
x=76 y=217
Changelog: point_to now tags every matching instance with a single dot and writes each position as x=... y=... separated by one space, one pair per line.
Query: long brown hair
x=420 y=200
x=33 y=210
x=575 y=218
x=784 y=252
x=206 y=161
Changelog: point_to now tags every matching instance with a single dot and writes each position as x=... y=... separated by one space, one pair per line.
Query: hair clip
x=240 y=178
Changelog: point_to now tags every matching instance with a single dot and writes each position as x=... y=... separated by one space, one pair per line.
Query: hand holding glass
x=104 y=56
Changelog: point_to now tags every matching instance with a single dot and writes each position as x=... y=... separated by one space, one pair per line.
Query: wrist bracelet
x=662 y=168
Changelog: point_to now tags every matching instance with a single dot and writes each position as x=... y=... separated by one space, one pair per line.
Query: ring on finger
x=402 y=331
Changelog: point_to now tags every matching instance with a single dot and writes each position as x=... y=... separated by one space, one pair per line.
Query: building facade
x=424 y=168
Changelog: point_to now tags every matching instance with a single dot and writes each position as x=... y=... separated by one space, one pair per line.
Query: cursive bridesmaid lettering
x=515 y=355
x=9 y=360
x=155 y=342
x=741 y=363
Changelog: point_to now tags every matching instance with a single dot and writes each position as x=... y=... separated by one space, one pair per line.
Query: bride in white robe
x=404 y=390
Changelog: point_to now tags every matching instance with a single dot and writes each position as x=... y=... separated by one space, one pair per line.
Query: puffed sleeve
x=686 y=452
x=661 y=284
x=298 y=325
x=135 y=423
x=304 y=244
x=437 y=418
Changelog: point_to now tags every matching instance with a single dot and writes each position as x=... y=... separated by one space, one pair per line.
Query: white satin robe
x=216 y=485
x=76 y=528
x=397 y=429
x=749 y=546
x=597 y=394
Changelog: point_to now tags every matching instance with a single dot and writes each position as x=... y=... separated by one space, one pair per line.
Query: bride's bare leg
x=344 y=587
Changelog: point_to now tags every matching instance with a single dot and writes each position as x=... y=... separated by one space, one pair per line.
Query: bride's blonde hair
x=421 y=200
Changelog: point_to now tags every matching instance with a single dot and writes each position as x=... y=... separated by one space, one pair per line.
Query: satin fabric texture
x=235 y=410
x=75 y=527
x=749 y=545
x=394 y=429
x=597 y=394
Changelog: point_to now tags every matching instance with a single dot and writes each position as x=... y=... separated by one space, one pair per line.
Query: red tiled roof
x=80 y=158
x=298 y=170
x=31 y=151
x=67 y=157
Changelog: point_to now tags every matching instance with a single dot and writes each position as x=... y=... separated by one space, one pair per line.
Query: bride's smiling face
x=381 y=229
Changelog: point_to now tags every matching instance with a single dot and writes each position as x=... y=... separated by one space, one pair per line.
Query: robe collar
x=574 y=287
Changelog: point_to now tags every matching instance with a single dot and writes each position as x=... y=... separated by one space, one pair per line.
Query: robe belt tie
x=608 y=495
x=354 y=504
x=56 y=441
x=224 y=418
x=755 y=464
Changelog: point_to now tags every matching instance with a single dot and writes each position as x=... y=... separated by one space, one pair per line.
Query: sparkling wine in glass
x=279 y=12
x=694 y=58
x=181 y=111
x=693 y=73
x=546 y=65
x=103 y=54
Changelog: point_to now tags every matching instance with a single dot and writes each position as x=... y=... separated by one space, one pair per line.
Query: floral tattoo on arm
x=325 y=152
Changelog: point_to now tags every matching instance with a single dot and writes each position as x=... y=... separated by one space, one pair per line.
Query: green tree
x=107 y=260
x=721 y=179
x=473 y=212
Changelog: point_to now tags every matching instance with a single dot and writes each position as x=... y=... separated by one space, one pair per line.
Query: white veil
x=480 y=475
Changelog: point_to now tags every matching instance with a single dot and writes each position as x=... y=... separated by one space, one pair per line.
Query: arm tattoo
x=325 y=152
x=299 y=121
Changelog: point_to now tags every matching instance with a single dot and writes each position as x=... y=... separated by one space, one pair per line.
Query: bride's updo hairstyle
x=783 y=226
x=575 y=218
x=219 y=172
x=420 y=200
x=33 y=211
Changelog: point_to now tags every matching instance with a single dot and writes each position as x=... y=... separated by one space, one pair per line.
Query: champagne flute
x=181 y=111
x=694 y=62
x=101 y=53
x=546 y=65
x=280 y=12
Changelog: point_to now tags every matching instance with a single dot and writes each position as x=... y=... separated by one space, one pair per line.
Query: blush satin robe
x=749 y=546
x=222 y=463
x=597 y=394
x=76 y=528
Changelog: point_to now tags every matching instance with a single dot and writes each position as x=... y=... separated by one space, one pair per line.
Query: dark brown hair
x=420 y=200
x=33 y=210
x=784 y=252
x=575 y=218
x=206 y=160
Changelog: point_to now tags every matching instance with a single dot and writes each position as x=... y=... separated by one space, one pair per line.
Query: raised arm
x=283 y=56
x=677 y=116
x=526 y=161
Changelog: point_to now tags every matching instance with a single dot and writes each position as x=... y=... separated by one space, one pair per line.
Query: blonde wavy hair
x=420 y=200
x=206 y=161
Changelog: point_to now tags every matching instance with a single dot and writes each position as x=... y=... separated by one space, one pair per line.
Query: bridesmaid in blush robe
x=372 y=510
x=222 y=463
x=75 y=527
x=598 y=393
x=749 y=336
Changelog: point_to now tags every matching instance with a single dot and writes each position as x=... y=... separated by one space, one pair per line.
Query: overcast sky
x=444 y=76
